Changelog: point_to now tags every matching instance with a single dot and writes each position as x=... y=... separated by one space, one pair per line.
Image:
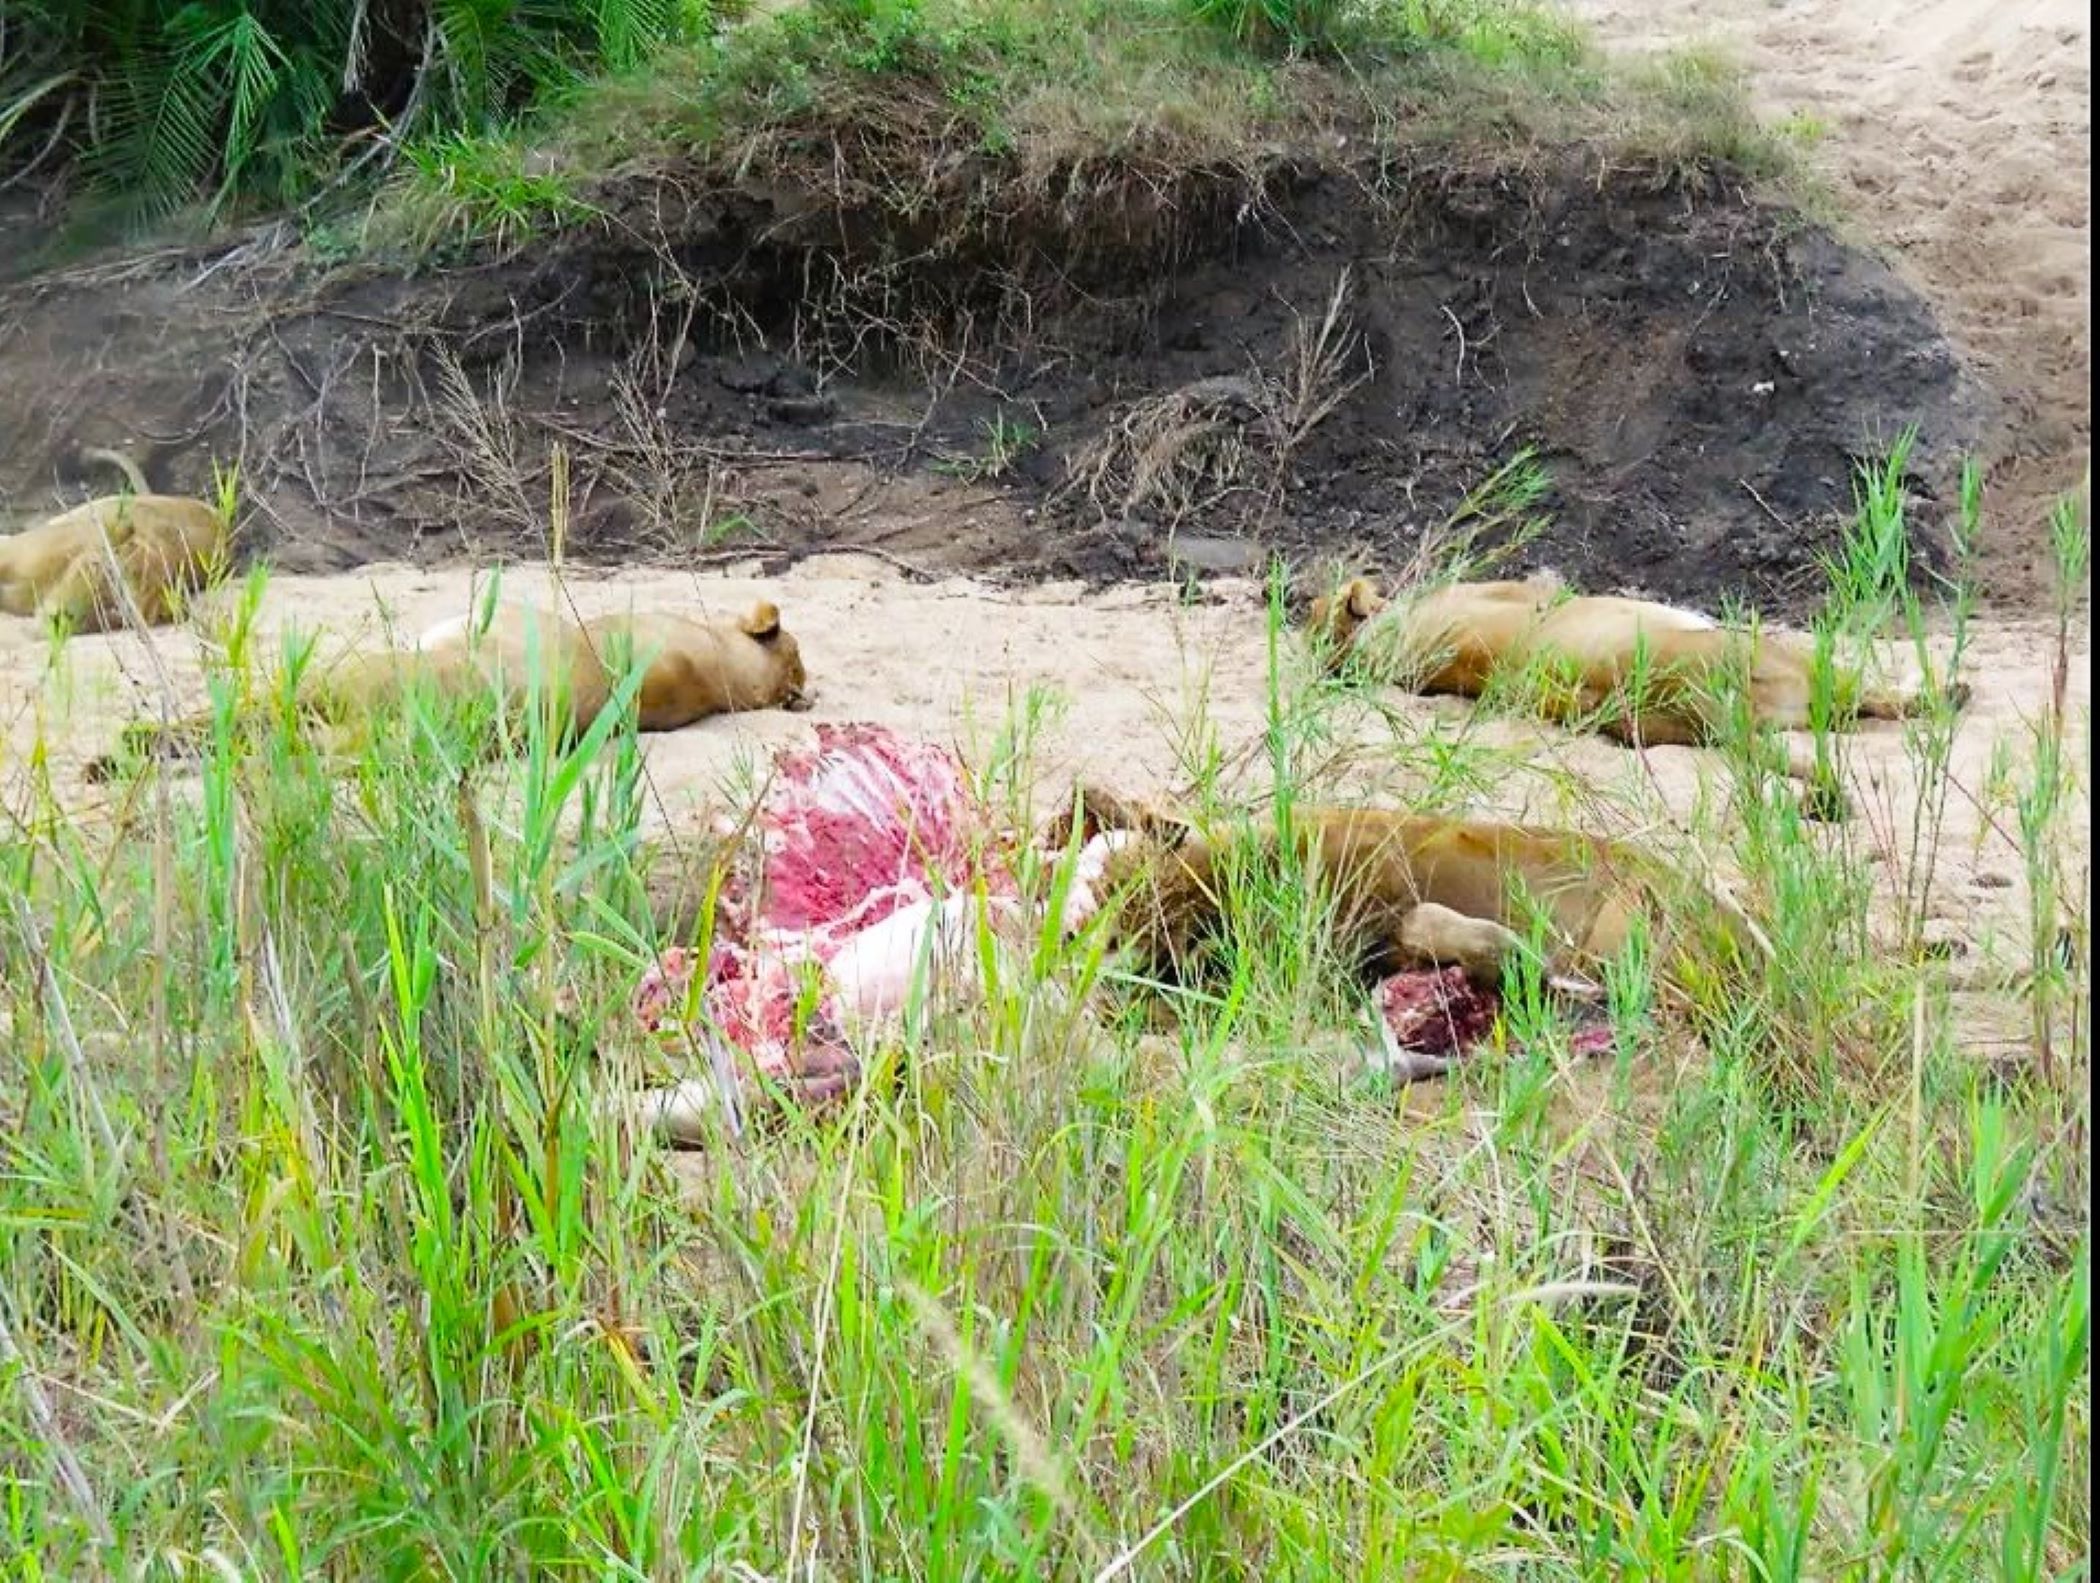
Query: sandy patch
x=1956 y=136
x=952 y=660
x=1137 y=687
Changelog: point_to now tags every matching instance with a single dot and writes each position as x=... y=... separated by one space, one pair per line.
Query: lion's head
x=1334 y=620
x=766 y=660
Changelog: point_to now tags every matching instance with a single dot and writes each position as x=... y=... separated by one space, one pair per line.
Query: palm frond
x=170 y=100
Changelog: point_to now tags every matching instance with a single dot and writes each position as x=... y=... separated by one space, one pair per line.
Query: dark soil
x=1093 y=377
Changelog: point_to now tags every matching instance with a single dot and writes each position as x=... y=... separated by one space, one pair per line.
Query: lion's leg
x=1883 y=703
x=1436 y=936
x=1784 y=689
x=1823 y=796
x=1698 y=717
x=1889 y=703
x=82 y=599
x=18 y=592
x=1655 y=728
x=159 y=580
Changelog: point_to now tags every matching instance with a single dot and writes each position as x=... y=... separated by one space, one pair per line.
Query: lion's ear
x=1173 y=832
x=761 y=621
x=1363 y=599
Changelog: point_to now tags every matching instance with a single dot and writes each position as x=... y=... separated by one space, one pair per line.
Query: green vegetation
x=320 y=1256
x=324 y=1251
x=882 y=100
x=165 y=102
x=484 y=123
x=1006 y=441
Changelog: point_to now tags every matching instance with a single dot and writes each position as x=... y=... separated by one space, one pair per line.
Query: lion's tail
x=179 y=740
x=185 y=737
x=122 y=463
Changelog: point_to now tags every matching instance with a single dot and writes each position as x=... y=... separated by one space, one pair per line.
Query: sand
x=1954 y=136
x=1956 y=139
x=1134 y=688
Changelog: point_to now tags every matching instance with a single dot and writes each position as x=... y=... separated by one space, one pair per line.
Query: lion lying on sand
x=1592 y=655
x=65 y=569
x=1411 y=892
x=691 y=670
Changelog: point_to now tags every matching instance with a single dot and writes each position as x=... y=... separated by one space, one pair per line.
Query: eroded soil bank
x=1110 y=374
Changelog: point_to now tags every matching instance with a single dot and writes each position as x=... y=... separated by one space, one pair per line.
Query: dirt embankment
x=1956 y=139
x=1123 y=372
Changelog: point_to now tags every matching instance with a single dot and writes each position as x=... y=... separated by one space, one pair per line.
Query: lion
x=1411 y=891
x=1640 y=672
x=523 y=658
x=75 y=570
x=701 y=668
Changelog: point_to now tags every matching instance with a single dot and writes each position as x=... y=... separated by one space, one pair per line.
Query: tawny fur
x=1409 y=892
x=691 y=670
x=702 y=668
x=1588 y=651
x=164 y=548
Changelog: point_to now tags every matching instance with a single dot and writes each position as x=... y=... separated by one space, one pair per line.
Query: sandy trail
x=1137 y=688
x=1955 y=136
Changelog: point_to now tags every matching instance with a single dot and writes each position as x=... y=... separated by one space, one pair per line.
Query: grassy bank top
x=463 y=121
